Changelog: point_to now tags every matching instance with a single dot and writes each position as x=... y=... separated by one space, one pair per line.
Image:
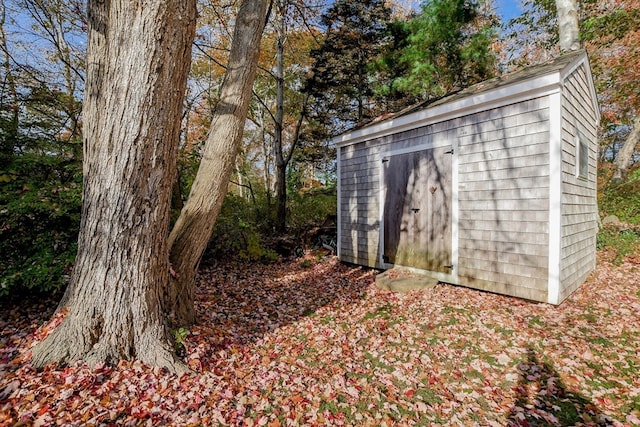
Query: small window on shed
x=582 y=157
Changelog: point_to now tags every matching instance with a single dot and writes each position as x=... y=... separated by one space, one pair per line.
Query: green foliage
x=390 y=66
x=615 y=25
x=447 y=48
x=622 y=200
x=244 y=228
x=180 y=337
x=311 y=208
x=306 y=263
x=39 y=222
x=621 y=243
x=236 y=233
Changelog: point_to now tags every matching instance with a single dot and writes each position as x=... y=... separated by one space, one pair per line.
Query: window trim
x=582 y=157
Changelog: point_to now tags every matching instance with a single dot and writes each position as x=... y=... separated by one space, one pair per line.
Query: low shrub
x=311 y=209
x=236 y=234
x=39 y=223
x=620 y=243
x=620 y=199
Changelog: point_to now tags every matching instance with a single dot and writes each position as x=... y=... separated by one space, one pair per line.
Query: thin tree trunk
x=240 y=183
x=8 y=143
x=625 y=155
x=281 y=195
x=192 y=231
x=281 y=165
x=568 y=25
x=267 y=152
x=138 y=61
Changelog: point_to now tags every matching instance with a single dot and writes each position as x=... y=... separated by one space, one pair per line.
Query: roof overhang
x=457 y=106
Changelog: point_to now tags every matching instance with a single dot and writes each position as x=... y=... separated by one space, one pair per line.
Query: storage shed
x=493 y=187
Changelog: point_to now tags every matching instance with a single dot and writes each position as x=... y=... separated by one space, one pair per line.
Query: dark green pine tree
x=341 y=79
x=447 y=47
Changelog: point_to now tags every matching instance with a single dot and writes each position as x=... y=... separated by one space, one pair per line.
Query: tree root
x=61 y=347
x=162 y=357
x=53 y=349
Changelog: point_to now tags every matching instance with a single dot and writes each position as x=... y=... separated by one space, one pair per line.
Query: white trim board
x=382 y=191
x=339 y=203
x=555 y=197
x=414 y=148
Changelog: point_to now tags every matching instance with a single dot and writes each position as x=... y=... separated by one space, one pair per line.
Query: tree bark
x=568 y=25
x=192 y=231
x=625 y=155
x=137 y=65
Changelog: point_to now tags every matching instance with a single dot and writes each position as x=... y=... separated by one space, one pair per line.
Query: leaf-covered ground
x=314 y=342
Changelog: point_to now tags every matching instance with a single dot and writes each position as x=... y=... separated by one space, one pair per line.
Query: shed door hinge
x=449 y=152
x=385 y=160
x=450 y=267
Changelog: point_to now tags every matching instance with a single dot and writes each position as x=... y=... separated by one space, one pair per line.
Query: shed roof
x=526 y=83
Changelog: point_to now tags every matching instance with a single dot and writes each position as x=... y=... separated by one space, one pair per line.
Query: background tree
x=192 y=231
x=58 y=32
x=250 y=232
x=531 y=37
x=568 y=27
x=611 y=34
x=340 y=81
x=289 y=39
x=444 y=48
x=9 y=108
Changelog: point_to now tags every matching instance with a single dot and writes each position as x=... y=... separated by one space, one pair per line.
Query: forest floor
x=315 y=342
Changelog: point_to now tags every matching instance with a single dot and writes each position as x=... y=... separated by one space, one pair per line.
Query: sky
x=508 y=9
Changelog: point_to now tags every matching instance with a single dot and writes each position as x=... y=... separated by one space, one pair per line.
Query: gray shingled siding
x=579 y=208
x=359 y=186
x=503 y=157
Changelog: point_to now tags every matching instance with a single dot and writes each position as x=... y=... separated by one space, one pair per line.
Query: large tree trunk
x=138 y=60
x=625 y=155
x=192 y=231
x=568 y=24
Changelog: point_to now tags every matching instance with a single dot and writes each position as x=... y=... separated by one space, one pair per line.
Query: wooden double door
x=417 y=209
